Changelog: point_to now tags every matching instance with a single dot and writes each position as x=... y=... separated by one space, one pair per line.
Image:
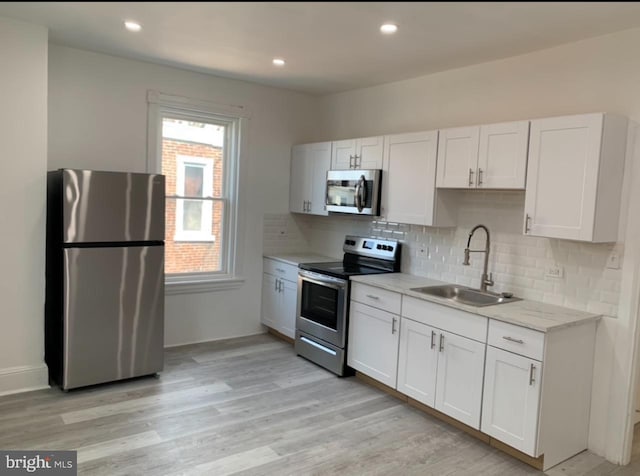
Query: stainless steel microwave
x=354 y=191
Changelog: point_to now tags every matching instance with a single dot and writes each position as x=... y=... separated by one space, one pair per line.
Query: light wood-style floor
x=249 y=406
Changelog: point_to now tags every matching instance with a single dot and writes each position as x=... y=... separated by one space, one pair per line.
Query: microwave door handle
x=357 y=197
x=360 y=191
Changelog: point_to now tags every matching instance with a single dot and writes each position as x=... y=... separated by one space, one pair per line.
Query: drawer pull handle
x=373 y=297
x=280 y=270
x=511 y=339
x=532 y=377
x=441 y=342
x=433 y=339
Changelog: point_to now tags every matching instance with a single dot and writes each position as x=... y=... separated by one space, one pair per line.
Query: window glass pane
x=193 y=180
x=192 y=215
x=197 y=246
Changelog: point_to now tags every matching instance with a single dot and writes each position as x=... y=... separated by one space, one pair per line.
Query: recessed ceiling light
x=132 y=25
x=388 y=28
x=278 y=62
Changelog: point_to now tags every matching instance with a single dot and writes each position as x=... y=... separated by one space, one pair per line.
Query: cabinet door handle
x=511 y=339
x=393 y=325
x=471 y=172
x=309 y=206
x=351 y=161
x=373 y=297
x=433 y=339
x=275 y=285
x=441 y=342
x=358 y=161
x=532 y=375
x=479 y=177
x=527 y=223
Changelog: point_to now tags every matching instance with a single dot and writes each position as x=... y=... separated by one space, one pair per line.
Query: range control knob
x=379 y=247
x=390 y=248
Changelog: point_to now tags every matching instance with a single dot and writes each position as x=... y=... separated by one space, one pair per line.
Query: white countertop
x=531 y=314
x=297 y=258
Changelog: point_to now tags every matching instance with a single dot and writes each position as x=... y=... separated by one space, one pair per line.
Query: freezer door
x=100 y=207
x=113 y=314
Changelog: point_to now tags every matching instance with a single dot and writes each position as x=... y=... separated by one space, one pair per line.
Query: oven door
x=353 y=191
x=322 y=306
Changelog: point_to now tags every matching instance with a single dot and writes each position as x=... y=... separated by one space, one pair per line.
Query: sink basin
x=464 y=295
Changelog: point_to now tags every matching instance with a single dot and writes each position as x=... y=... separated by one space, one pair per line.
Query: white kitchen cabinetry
x=439 y=368
x=537 y=389
x=409 y=192
x=309 y=166
x=362 y=153
x=511 y=399
x=374 y=334
x=574 y=177
x=492 y=156
x=279 y=296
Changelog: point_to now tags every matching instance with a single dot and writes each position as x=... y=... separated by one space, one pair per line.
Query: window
x=196 y=146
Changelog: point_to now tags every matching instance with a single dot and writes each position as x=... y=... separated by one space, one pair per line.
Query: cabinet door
x=373 y=343
x=458 y=157
x=369 y=151
x=562 y=176
x=300 y=182
x=270 y=304
x=343 y=154
x=409 y=182
x=511 y=399
x=502 y=159
x=460 y=376
x=287 y=308
x=321 y=161
x=418 y=361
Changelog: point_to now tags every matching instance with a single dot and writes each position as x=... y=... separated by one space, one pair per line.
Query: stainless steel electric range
x=322 y=322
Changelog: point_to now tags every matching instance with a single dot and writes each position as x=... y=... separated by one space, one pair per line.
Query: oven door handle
x=337 y=284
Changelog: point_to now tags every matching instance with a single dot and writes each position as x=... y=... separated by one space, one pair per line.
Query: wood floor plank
x=237 y=462
x=119 y=445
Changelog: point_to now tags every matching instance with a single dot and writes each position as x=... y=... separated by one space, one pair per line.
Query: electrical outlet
x=555 y=272
x=613 y=262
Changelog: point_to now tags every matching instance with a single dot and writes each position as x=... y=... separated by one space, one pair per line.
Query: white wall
x=23 y=155
x=98 y=120
x=601 y=74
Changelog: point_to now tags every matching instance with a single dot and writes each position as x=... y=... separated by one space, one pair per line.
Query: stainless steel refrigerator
x=104 y=310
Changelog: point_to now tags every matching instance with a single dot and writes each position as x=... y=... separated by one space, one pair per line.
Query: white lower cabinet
x=441 y=370
x=279 y=297
x=511 y=399
x=459 y=382
x=373 y=342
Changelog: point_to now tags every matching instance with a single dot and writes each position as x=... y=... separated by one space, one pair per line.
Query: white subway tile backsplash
x=519 y=263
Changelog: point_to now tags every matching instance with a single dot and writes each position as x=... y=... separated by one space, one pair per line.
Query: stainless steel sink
x=464 y=295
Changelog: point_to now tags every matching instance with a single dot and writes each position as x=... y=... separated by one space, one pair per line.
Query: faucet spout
x=487 y=278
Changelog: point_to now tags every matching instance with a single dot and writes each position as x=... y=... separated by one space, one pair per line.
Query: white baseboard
x=23 y=379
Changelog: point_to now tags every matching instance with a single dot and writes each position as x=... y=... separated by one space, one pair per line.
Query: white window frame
x=204 y=234
x=234 y=119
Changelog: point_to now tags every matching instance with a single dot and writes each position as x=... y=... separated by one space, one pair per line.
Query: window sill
x=201 y=285
x=194 y=239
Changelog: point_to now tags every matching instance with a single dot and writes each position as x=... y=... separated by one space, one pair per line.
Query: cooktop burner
x=339 y=269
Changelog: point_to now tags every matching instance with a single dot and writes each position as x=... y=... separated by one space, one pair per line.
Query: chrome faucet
x=487 y=279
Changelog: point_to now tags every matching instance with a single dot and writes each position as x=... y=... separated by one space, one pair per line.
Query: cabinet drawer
x=516 y=339
x=445 y=318
x=280 y=269
x=376 y=297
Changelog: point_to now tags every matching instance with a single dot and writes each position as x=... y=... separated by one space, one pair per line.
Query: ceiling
x=329 y=46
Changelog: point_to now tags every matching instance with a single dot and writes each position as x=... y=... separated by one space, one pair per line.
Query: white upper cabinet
x=458 y=157
x=574 y=177
x=409 y=192
x=502 y=159
x=309 y=166
x=490 y=156
x=363 y=153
